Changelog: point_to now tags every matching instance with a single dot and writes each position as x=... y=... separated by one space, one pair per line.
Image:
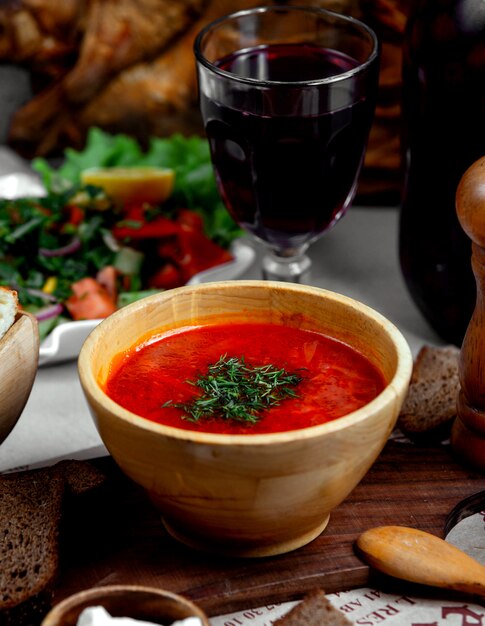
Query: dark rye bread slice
x=430 y=405
x=31 y=509
x=314 y=610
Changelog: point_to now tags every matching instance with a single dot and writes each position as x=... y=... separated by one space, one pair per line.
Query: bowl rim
x=96 y=594
x=400 y=378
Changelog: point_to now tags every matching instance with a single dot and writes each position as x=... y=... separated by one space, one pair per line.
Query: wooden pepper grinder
x=468 y=433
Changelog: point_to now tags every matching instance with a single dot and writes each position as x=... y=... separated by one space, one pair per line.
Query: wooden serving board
x=115 y=536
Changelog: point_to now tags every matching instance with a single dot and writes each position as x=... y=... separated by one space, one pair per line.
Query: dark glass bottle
x=443 y=134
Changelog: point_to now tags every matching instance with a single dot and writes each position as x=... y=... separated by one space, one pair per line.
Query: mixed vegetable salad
x=83 y=250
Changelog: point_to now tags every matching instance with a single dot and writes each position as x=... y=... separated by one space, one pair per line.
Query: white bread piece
x=8 y=309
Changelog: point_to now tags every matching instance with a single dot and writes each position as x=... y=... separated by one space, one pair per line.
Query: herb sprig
x=235 y=390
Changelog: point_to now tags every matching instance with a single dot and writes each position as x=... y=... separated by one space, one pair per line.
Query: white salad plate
x=64 y=342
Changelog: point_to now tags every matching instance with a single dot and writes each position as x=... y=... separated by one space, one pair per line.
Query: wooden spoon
x=19 y=355
x=420 y=557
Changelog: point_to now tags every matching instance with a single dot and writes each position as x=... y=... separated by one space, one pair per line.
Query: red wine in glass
x=287 y=124
x=286 y=179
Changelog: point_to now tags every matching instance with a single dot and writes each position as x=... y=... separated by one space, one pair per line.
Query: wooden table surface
x=115 y=536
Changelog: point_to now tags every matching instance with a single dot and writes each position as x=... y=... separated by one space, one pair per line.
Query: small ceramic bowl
x=19 y=355
x=143 y=603
x=247 y=495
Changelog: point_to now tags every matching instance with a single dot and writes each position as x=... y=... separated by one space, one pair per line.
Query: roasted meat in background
x=128 y=66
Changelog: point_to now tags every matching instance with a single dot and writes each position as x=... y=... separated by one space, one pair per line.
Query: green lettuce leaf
x=195 y=185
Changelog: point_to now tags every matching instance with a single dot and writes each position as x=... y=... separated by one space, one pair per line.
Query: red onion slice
x=48 y=312
x=71 y=247
x=38 y=293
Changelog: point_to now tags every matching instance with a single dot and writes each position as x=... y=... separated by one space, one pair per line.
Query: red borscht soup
x=243 y=378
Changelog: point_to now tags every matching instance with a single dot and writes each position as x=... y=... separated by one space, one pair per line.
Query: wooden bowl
x=137 y=602
x=247 y=495
x=19 y=355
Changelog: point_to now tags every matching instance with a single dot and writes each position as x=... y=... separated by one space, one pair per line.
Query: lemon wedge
x=132 y=184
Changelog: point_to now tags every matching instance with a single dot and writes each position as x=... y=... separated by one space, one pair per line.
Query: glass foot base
x=295 y=269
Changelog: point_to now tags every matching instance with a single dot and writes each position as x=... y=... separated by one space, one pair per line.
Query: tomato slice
x=107 y=277
x=167 y=277
x=157 y=228
x=199 y=253
x=89 y=300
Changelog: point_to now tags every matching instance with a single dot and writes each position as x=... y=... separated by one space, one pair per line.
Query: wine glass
x=287 y=95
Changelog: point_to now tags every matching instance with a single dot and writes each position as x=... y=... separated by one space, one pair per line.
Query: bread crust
x=430 y=405
x=32 y=505
x=314 y=610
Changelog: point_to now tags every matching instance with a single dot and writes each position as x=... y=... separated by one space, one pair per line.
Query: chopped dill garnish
x=235 y=390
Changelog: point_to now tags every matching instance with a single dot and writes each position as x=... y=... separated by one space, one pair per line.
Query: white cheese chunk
x=99 y=616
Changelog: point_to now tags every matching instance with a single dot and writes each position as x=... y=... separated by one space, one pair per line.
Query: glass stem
x=290 y=269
